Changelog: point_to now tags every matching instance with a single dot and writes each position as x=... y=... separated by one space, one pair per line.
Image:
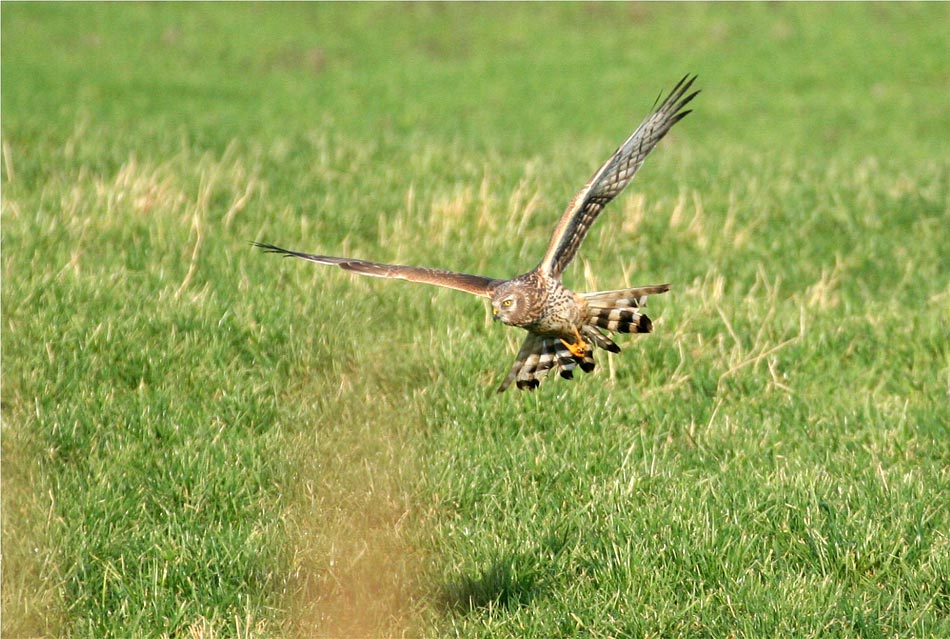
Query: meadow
x=201 y=440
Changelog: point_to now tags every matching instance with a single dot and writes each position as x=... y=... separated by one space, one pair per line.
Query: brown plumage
x=563 y=326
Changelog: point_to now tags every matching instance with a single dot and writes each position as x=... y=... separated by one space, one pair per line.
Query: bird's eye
x=508 y=302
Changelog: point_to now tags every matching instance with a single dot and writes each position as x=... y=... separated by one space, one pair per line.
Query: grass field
x=200 y=440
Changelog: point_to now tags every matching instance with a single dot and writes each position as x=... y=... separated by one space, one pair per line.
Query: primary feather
x=612 y=178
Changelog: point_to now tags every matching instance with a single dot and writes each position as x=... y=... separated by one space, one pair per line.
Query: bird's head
x=510 y=304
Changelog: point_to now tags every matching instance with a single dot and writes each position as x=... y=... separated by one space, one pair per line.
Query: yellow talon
x=579 y=348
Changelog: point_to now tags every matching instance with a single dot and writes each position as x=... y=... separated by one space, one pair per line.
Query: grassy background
x=200 y=440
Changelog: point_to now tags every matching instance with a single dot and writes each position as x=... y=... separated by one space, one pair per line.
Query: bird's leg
x=578 y=348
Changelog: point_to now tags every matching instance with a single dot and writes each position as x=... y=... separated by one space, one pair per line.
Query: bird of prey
x=563 y=326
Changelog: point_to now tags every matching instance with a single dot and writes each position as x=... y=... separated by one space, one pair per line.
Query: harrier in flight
x=563 y=326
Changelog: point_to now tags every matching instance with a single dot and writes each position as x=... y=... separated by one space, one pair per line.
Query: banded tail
x=616 y=311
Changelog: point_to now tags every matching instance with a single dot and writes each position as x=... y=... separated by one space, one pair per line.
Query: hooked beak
x=494 y=313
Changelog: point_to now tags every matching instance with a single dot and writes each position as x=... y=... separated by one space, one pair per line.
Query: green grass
x=200 y=440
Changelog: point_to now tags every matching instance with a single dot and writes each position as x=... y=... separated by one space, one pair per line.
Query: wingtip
x=675 y=96
x=271 y=248
x=687 y=81
x=684 y=84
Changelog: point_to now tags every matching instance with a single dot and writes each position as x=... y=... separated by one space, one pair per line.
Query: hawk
x=563 y=326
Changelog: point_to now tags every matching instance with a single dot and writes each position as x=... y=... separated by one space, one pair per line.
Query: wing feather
x=612 y=178
x=531 y=346
x=474 y=284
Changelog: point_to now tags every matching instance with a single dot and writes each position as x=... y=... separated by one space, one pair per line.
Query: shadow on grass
x=509 y=581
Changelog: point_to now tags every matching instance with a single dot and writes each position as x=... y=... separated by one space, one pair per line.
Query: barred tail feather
x=538 y=357
x=593 y=334
x=619 y=311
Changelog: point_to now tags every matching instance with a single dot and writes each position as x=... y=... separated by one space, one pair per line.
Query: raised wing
x=612 y=178
x=474 y=284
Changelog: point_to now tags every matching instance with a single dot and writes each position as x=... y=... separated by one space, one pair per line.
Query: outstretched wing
x=474 y=284
x=612 y=178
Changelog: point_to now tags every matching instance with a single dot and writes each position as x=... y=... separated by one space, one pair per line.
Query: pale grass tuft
x=11 y=209
x=199 y=212
x=142 y=188
x=739 y=237
x=243 y=628
x=694 y=228
x=525 y=200
x=678 y=212
x=633 y=213
x=591 y=282
x=149 y=188
x=677 y=379
x=763 y=347
x=447 y=214
x=710 y=291
x=201 y=208
x=697 y=227
x=486 y=201
x=735 y=350
x=252 y=186
x=825 y=294
x=8 y=161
